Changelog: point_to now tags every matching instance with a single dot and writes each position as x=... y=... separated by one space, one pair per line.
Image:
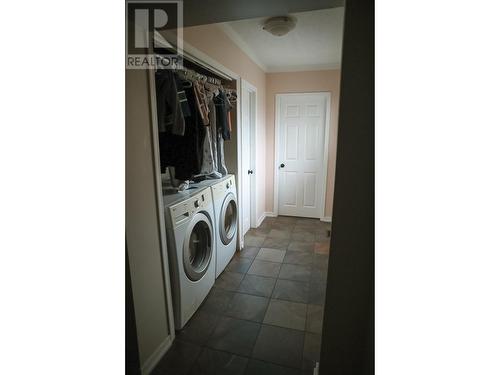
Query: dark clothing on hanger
x=222 y=107
x=169 y=103
x=185 y=152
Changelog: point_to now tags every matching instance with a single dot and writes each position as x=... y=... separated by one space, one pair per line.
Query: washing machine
x=190 y=222
x=226 y=220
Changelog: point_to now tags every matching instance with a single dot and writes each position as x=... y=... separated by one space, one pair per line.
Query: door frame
x=277 y=128
x=253 y=152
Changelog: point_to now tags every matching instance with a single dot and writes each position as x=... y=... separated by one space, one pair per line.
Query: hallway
x=264 y=314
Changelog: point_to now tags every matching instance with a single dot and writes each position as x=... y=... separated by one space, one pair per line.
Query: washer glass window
x=198 y=247
x=229 y=215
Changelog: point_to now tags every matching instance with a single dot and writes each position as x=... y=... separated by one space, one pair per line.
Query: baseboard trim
x=158 y=354
x=261 y=219
x=270 y=214
x=326 y=219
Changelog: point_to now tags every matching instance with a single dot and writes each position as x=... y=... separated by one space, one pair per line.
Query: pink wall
x=280 y=83
x=211 y=40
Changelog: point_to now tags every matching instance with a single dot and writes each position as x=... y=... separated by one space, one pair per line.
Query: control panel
x=220 y=190
x=184 y=210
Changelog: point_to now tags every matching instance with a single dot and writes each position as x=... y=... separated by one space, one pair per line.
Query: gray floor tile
x=312 y=349
x=320 y=261
x=278 y=345
x=295 y=272
x=215 y=362
x=289 y=290
x=268 y=220
x=256 y=367
x=285 y=220
x=271 y=255
x=217 y=301
x=178 y=360
x=229 y=280
x=314 y=321
x=276 y=243
x=254 y=240
x=317 y=293
x=262 y=268
x=322 y=236
x=279 y=233
x=286 y=314
x=249 y=252
x=199 y=328
x=301 y=246
x=262 y=231
x=239 y=264
x=307 y=225
x=234 y=336
x=304 y=236
x=308 y=222
x=248 y=307
x=299 y=257
x=322 y=247
x=318 y=276
x=257 y=285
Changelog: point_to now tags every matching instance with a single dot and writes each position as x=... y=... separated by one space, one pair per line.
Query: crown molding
x=304 y=68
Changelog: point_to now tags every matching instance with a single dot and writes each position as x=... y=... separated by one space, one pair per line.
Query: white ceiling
x=314 y=44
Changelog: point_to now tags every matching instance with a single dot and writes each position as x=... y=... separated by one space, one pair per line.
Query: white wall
x=142 y=231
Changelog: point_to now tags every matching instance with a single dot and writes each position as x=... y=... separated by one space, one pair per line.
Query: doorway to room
x=248 y=167
x=301 y=153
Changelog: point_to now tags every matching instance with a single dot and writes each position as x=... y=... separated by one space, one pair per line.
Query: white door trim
x=149 y=364
x=277 y=128
x=253 y=153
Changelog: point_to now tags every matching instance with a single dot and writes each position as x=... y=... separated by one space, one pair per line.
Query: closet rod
x=206 y=66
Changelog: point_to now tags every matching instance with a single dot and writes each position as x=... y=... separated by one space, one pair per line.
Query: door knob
x=250 y=171
x=282 y=165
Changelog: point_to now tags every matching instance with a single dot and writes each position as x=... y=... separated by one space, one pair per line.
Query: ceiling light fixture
x=279 y=26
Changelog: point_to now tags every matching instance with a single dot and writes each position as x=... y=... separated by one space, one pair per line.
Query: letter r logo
x=142 y=37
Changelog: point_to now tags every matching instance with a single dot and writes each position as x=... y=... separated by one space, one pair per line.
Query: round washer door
x=197 y=251
x=228 y=219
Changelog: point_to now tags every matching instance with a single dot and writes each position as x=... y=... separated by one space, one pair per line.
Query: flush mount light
x=279 y=26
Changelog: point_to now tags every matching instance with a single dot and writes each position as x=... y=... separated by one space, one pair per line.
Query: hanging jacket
x=222 y=107
x=169 y=103
x=185 y=153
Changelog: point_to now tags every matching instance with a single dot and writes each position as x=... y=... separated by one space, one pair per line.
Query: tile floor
x=265 y=312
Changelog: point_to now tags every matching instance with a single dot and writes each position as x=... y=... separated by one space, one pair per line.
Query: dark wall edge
x=348 y=327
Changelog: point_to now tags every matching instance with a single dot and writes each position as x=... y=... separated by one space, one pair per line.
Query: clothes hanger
x=186 y=78
x=231 y=95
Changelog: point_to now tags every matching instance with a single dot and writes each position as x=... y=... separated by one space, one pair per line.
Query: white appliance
x=189 y=218
x=226 y=220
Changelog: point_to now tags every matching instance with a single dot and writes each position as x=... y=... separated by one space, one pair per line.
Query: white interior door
x=248 y=94
x=302 y=154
